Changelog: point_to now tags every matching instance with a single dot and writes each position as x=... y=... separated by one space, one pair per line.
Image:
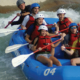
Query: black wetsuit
x=27 y=9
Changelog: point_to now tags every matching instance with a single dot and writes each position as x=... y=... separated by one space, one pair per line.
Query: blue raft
x=34 y=70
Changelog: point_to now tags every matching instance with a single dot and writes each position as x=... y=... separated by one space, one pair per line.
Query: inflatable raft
x=35 y=70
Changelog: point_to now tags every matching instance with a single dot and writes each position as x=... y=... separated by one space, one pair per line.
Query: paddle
x=17 y=46
x=72 y=47
x=5 y=32
x=20 y=59
x=63 y=30
x=11 y=21
x=14 y=47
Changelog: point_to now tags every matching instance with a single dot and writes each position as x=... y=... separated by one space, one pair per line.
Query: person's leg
x=75 y=61
x=45 y=60
x=55 y=61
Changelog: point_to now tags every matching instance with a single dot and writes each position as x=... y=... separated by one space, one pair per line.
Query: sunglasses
x=73 y=27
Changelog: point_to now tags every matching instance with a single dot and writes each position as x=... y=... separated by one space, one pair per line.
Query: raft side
x=35 y=70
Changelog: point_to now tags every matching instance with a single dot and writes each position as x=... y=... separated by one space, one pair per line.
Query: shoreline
x=48 y=5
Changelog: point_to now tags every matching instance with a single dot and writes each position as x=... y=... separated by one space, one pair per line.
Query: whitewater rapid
x=7 y=71
x=5 y=18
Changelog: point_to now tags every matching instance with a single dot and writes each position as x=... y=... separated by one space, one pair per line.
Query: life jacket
x=64 y=24
x=35 y=33
x=44 y=41
x=30 y=22
x=73 y=37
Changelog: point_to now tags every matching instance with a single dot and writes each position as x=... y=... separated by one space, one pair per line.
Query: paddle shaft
x=72 y=47
x=58 y=34
x=63 y=30
x=11 y=21
x=47 y=45
x=46 y=25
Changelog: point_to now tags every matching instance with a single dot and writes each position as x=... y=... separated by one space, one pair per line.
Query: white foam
x=4 y=21
x=74 y=15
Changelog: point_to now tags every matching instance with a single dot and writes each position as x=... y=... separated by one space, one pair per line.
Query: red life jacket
x=43 y=41
x=73 y=37
x=30 y=22
x=35 y=33
x=64 y=24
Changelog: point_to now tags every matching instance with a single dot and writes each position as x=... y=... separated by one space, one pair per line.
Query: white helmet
x=39 y=16
x=59 y=11
x=43 y=27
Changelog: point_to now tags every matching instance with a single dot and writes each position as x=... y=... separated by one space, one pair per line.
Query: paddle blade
x=6 y=30
x=20 y=59
x=13 y=48
x=4 y=34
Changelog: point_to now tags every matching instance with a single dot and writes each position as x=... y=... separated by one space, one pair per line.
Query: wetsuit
x=27 y=9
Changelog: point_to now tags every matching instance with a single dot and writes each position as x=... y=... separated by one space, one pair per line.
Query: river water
x=7 y=71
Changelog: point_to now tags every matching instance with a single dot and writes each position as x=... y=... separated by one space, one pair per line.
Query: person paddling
x=29 y=19
x=25 y=10
x=72 y=41
x=45 y=56
x=63 y=22
x=32 y=31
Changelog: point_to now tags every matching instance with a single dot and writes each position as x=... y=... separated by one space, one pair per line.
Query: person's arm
x=69 y=52
x=66 y=39
x=44 y=22
x=56 y=44
x=54 y=25
x=17 y=22
x=52 y=51
x=26 y=19
x=29 y=32
x=26 y=13
x=57 y=28
x=50 y=34
x=27 y=38
x=35 y=45
x=70 y=19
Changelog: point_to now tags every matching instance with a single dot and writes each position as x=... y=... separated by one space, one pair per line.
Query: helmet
x=73 y=24
x=39 y=16
x=19 y=2
x=61 y=11
x=35 y=5
x=43 y=27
